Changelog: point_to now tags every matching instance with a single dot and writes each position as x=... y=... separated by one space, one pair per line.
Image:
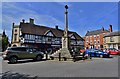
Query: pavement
x=1 y=53
x=96 y=67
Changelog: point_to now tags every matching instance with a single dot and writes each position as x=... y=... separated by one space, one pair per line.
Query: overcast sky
x=82 y=16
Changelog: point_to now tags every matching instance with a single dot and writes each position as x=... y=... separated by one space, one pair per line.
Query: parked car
x=118 y=51
x=112 y=51
x=82 y=50
x=13 y=54
x=96 y=53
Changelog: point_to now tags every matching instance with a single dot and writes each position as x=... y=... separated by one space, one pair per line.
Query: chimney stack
x=102 y=28
x=110 y=28
x=31 y=21
x=23 y=20
x=56 y=27
x=13 y=24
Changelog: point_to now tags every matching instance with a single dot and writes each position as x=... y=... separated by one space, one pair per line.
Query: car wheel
x=38 y=58
x=101 y=56
x=13 y=60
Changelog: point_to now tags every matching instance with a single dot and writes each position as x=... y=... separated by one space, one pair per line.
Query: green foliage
x=5 y=43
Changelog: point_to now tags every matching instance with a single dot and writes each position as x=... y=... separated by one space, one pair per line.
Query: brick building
x=94 y=39
x=30 y=34
x=112 y=40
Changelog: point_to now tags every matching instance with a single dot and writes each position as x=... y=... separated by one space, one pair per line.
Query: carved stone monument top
x=65 y=40
x=65 y=36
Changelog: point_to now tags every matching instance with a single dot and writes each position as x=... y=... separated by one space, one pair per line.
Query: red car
x=82 y=50
x=118 y=51
x=112 y=51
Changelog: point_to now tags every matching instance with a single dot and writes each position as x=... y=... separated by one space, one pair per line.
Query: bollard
x=46 y=56
x=65 y=59
x=59 y=56
x=90 y=56
x=74 y=58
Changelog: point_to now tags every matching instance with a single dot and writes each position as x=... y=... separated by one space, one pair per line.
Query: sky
x=82 y=16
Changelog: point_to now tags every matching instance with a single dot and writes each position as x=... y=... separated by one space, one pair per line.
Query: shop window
x=98 y=42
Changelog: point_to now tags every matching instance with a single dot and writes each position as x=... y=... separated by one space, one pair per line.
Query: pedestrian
x=83 y=53
x=73 y=53
x=89 y=53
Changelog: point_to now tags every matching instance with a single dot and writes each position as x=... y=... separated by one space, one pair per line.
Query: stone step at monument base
x=62 y=59
x=64 y=52
x=48 y=57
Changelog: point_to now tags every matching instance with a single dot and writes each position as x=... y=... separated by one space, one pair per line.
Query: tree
x=5 y=42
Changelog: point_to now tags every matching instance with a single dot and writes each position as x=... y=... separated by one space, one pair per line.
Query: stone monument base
x=63 y=52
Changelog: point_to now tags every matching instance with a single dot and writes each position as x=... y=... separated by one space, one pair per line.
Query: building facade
x=112 y=40
x=94 y=39
x=30 y=34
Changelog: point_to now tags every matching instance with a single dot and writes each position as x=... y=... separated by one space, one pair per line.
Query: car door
x=30 y=53
x=93 y=52
x=97 y=52
x=21 y=52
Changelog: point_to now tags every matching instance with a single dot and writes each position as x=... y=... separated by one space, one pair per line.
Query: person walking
x=73 y=53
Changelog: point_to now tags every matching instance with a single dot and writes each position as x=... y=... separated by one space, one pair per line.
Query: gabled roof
x=95 y=32
x=117 y=33
x=49 y=31
x=41 y=30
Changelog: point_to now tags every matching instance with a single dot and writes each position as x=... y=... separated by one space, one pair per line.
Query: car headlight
x=4 y=56
x=81 y=53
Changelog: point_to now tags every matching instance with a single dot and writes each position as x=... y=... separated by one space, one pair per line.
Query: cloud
x=12 y=12
x=65 y=3
x=0 y=17
x=80 y=11
x=25 y=13
x=1 y=31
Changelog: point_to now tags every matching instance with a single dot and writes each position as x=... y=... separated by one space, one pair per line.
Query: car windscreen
x=17 y=49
